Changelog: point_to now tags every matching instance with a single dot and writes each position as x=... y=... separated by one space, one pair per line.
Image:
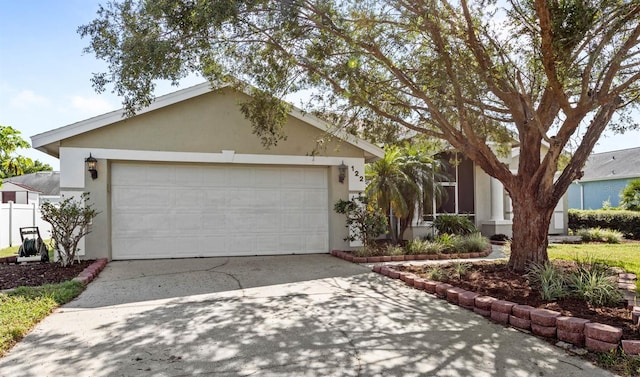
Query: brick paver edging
x=408 y=257
x=597 y=337
x=92 y=271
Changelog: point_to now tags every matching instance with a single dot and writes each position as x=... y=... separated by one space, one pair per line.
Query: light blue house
x=605 y=175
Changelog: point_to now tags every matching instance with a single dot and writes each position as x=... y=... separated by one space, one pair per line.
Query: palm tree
x=400 y=182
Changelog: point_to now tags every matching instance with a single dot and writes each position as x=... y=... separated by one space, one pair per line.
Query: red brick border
x=407 y=257
x=596 y=337
x=91 y=272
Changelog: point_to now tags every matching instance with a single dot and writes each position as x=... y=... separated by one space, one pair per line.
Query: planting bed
x=35 y=274
x=495 y=280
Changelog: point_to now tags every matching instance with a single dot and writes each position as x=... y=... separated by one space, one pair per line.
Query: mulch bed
x=496 y=280
x=35 y=274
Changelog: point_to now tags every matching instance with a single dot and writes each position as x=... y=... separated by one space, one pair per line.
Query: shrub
x=70 y=220
x=472 y=243
x=549 y=279
x=626 y=222
x=365 y=223
x=454 y=224
x=630 y=196
x=599 y=235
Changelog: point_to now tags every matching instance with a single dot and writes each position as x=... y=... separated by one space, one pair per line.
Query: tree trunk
x=530 y=230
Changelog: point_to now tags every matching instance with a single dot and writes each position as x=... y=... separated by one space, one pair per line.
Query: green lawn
x=625 y=255
x=13 y=250
x=6 y=252
x=24 y=307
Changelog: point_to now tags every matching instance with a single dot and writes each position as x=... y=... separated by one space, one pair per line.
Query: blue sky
x=44 y=76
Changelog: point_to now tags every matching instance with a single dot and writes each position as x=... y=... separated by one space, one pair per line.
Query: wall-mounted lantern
x=342 y=172
x=92 y=163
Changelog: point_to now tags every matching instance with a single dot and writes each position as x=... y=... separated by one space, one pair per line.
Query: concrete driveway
x=272 y=316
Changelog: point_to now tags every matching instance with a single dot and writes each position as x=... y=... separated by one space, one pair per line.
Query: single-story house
x=47 y=183
x=186 y=177
x=19 y=193
x=605 y=175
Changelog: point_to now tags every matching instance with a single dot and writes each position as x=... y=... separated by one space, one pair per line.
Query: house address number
x=357 y=173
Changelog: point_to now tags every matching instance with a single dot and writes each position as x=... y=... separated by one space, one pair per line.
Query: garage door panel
x=230 y=211
x=189 y=176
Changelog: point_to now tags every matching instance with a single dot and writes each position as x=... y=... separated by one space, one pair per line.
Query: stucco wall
x=207 y=123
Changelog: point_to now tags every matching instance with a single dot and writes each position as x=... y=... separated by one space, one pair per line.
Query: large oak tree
x=545 y=76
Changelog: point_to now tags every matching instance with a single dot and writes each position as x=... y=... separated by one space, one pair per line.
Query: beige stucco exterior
x=207 y=123
x=205 y=129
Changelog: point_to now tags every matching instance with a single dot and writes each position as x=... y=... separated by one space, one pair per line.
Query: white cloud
x=27 y=99
x=90 y=105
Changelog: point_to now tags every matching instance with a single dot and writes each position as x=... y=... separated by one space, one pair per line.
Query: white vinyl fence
x=14 y=216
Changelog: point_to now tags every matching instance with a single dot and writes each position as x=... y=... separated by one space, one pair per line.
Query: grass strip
x=22 y=308
x=625 y=255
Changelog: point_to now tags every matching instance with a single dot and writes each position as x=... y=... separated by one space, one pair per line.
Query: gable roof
x=620 y=164
x=46 y=182
x=48 y=142
x=8 y=187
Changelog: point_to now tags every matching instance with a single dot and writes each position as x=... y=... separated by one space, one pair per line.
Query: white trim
x=613 y=178
x=229 y=157
x=40 y=140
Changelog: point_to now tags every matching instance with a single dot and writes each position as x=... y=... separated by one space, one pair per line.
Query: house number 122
x=357 y=173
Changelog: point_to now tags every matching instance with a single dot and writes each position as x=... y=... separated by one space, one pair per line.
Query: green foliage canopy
x=12 y=164
x=630 y=196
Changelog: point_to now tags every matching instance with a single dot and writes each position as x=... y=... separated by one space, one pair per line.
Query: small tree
x=630 y=196
x=69 y=221
x=364 y=222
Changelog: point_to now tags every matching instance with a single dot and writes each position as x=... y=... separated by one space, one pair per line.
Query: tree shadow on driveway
x=358 y=325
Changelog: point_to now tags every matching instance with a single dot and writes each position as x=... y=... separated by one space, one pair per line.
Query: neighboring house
x=19 y=193
x=605 y=175
x=186 y=177
x=46 y=183
x=26 y=192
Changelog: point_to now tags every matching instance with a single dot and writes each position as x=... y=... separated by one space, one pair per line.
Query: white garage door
x=175 y=211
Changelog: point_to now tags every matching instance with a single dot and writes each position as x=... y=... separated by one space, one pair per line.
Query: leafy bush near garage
x=364 y=222
x=626 y=222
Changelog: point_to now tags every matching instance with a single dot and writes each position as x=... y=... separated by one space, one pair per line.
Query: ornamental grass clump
x=459 y=270
x=472 y=243
x=447 y=243
x=437 y=273
x=549 y=279
x=393 y=250
x=598 y=234
x=594 y=282
x=416 y=247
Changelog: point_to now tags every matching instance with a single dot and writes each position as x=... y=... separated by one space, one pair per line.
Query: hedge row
x=627 y=222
